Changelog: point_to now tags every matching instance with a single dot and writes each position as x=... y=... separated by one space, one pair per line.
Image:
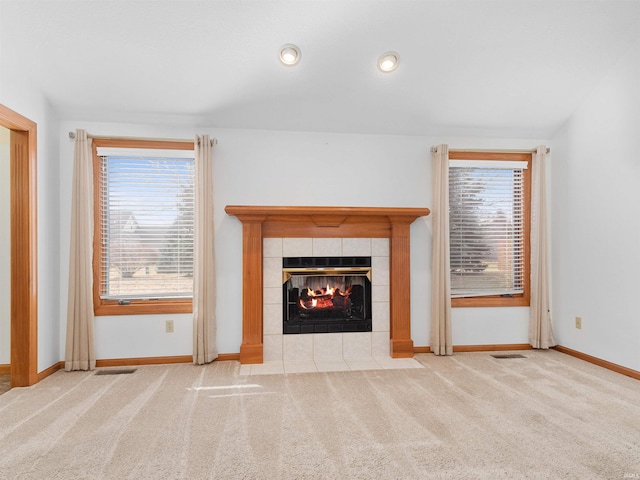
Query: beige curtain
x=540 y=331
x=441 y=338
x=80 y=350
x=204 y=300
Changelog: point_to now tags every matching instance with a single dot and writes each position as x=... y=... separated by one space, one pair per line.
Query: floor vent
x=508 y=355
x=116 y=371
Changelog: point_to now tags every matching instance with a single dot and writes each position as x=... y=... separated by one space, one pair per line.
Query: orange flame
x=323 y=298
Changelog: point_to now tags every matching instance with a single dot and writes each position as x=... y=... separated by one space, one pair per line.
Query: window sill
x=157 y=307
x=497 y=301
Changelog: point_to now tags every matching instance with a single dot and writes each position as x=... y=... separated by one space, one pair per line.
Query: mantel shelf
x=325 y=221
x=284 y=211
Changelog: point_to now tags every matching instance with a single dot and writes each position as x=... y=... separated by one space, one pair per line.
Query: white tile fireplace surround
x=325 y=351
x=328 y=346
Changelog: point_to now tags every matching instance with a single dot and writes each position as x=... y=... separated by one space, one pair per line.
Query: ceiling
x=489 y=67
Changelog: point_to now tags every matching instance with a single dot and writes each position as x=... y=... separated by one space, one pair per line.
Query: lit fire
x=324 y=298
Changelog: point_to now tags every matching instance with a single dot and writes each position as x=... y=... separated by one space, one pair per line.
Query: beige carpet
x=470 y=416
x=5 y=383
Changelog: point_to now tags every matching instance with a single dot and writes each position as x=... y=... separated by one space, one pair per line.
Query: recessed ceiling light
x=289 y=54
x=388 y=62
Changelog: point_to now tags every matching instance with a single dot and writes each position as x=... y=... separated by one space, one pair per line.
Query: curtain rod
x=485 y=150
x=72 y=136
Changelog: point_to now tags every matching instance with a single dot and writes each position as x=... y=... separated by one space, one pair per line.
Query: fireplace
x=320 y=222
x=326 y=294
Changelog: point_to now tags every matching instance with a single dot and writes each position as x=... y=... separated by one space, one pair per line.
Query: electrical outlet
x=579 y=322
x=168 y=325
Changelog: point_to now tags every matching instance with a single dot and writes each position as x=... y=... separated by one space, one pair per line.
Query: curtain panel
x=540 y=329
x=204 y=294
x=80 y=349
x=441 y=337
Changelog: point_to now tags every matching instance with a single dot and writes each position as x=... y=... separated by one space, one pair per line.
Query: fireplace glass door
x=326 y=295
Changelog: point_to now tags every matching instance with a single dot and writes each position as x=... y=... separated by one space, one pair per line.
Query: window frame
x=516 y=300
x=102 y=307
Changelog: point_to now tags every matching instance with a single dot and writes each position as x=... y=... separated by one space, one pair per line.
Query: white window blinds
x=146 y=221
x=486 y=225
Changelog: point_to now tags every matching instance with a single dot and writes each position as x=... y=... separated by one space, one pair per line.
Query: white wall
x=595 y=219
x=117 y=336
x=49 y=290
x=282 y=168
x=17 y=94
x=489 y=325
x=5 y=250
x=391 y=171
x=277 y=168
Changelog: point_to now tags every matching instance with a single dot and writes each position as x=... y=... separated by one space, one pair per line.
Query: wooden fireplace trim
x=260 y=222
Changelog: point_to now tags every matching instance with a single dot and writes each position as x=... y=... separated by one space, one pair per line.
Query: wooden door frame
x=24 y=247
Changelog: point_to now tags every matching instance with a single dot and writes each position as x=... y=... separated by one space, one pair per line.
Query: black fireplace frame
x=356 y=319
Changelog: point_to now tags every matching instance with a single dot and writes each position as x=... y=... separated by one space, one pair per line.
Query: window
x=489 y=205
x=143 y=226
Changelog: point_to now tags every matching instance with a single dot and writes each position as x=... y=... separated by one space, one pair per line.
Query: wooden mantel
x=260 y=222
